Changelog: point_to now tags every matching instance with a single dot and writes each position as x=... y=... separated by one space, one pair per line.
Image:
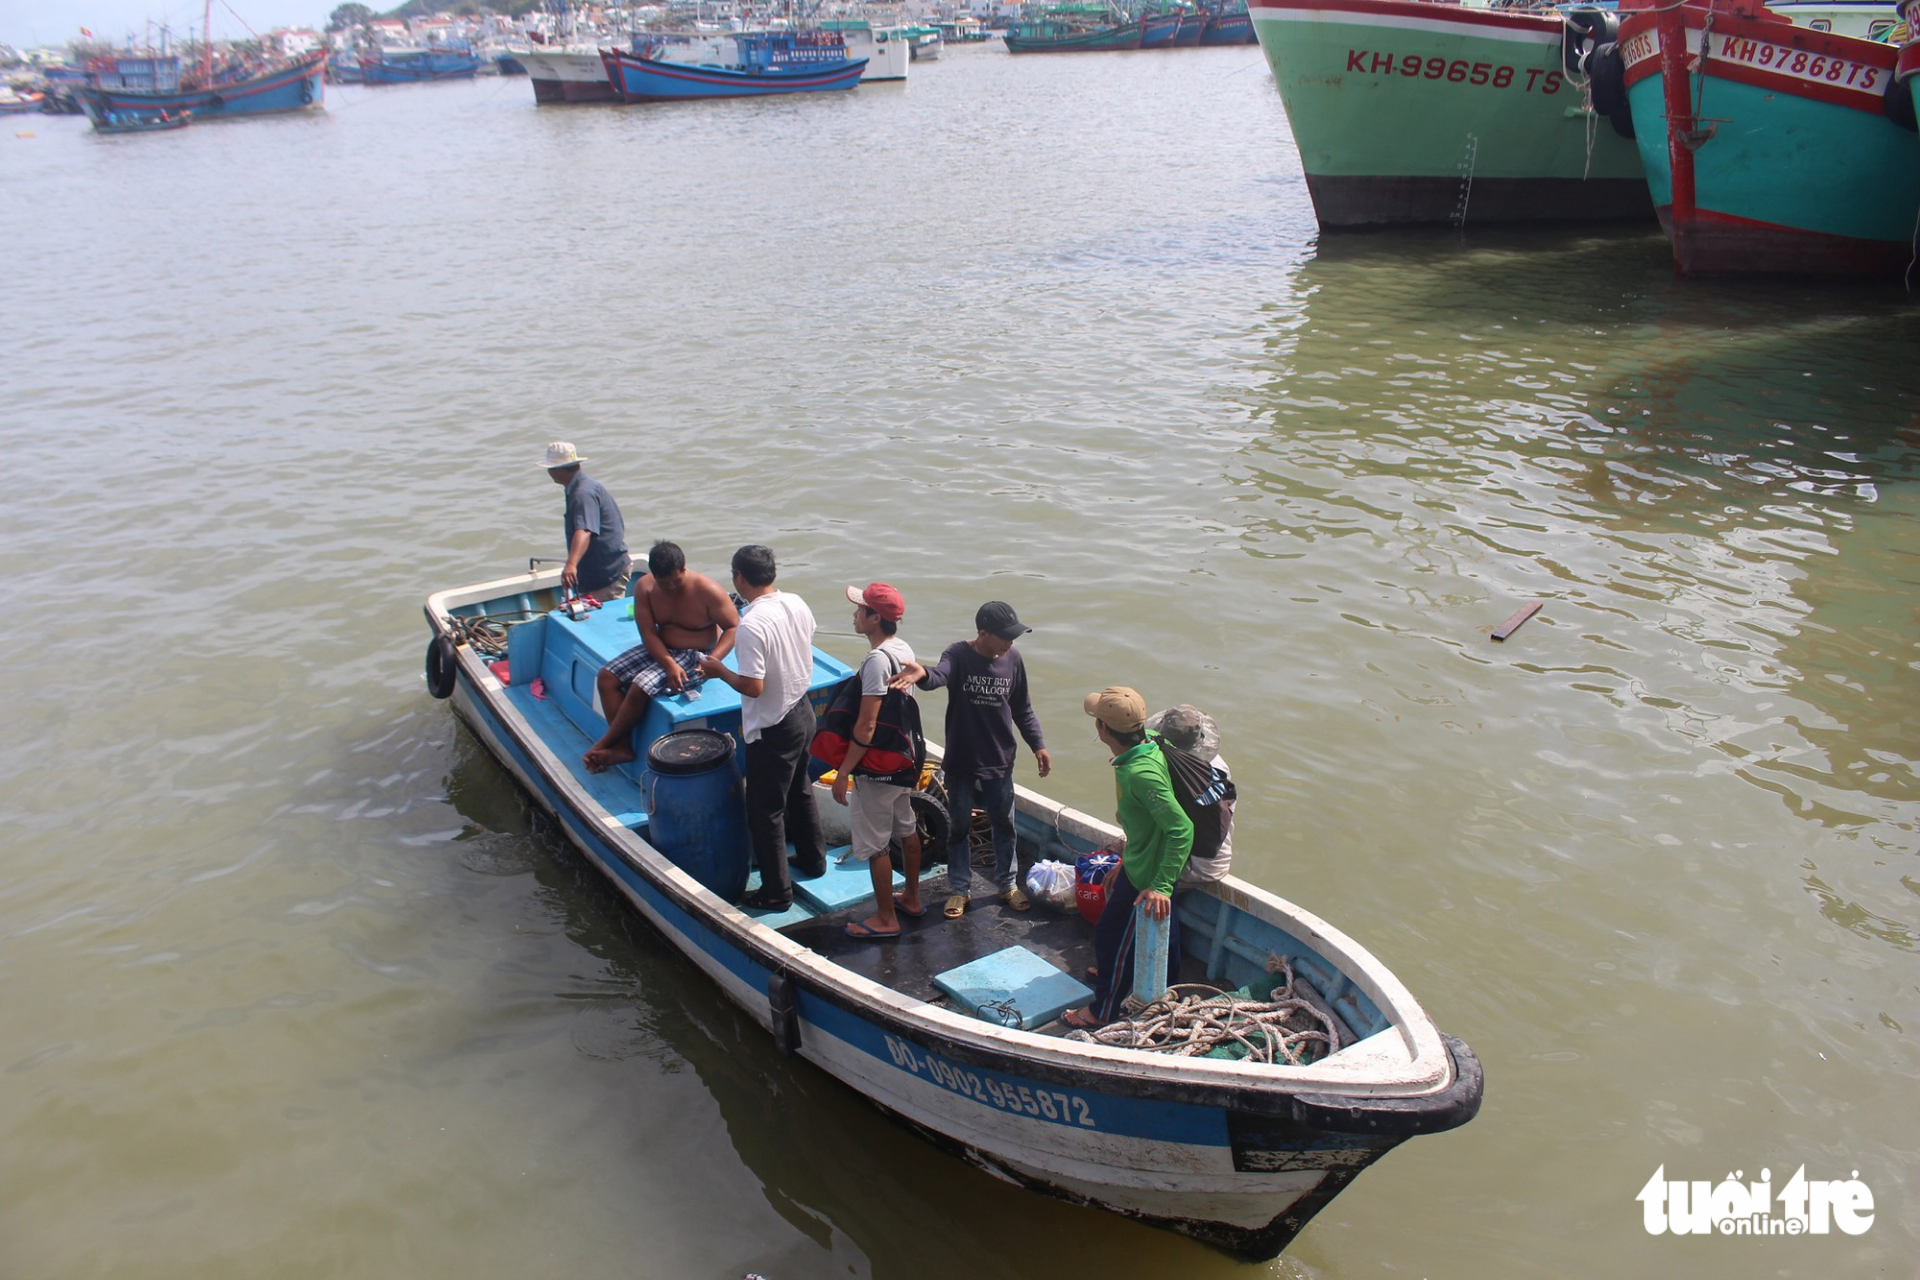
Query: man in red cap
x=881 y=810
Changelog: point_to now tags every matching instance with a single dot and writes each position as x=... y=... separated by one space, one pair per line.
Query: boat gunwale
x=1423 y=1066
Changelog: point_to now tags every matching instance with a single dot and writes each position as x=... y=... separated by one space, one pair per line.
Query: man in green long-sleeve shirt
x=1159 y=838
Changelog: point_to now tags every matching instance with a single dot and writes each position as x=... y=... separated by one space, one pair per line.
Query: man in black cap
x=986 y=684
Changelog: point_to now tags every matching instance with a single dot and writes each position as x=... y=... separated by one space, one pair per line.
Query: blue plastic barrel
x=696 y=812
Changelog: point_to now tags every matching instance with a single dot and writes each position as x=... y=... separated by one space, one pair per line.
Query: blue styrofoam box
x=1030 y=991
x=844 y=884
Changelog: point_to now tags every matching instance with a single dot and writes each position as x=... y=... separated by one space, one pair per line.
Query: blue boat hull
x=639 y=79
x=301 y=87
x=1235 y=28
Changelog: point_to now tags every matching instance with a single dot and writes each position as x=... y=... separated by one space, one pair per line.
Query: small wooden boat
x=1239 y=1154
x=142 y=121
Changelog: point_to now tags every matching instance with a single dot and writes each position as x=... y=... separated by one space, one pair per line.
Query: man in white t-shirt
x=774 y=653
x=881 y=811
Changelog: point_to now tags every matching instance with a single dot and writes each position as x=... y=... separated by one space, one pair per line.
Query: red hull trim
x=1713 y=244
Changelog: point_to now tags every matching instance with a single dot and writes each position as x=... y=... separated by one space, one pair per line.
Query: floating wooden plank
x=1512 y=624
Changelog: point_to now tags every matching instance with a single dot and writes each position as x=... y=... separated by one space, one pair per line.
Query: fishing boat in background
x=1079 y=26
x=569 y=73
x=1193 y=25
x=888 y=50
x=15 y=103
x=142 y=122
x=1769 y=147
x=964 y=29
x=1406 y=111
x=924 y=41
x=63 y=90
x=416 y=66
x=954 y=1027
x=762 y=64
x=1159 y=30
x=1863 y=19
x=217 y=93
x=1230 y=24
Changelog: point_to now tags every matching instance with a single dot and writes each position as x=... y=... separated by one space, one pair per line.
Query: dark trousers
x=1113 y=948
x=780 y=800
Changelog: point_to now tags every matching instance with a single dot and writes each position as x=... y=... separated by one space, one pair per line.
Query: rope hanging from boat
x=1193 y=1019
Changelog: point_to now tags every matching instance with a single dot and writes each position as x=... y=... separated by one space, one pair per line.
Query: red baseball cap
x=880 y=598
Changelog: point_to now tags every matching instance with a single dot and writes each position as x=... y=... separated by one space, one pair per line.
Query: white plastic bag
x=1052 y=883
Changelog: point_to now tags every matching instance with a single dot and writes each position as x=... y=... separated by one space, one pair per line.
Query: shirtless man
x=683 y=617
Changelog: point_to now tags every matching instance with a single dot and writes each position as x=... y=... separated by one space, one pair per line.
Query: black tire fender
x=1583 y=31
x=215 y=101
x=931 y=821
x=443 y=669
x=1607 y=79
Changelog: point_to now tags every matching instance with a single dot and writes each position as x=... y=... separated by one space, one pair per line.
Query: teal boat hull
x=1781 y=156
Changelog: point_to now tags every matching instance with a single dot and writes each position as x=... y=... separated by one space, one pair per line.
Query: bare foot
x=1085 y=1019
x=601 y=759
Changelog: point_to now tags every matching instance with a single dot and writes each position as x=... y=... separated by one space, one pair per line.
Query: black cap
x=998 y=617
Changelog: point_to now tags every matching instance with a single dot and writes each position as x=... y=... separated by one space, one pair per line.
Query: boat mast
x=206 y=47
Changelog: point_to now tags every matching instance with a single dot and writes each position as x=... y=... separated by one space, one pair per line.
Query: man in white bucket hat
x=597 y=560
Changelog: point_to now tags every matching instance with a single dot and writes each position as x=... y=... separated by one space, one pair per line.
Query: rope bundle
x=487 y=632
x=1193 y=1019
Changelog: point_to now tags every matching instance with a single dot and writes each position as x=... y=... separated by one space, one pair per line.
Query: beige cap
x=1117 y=707
x=562 y=454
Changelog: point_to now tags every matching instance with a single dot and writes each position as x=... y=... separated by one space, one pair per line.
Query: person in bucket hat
x=987 y=700
x=597 y=561
x=1159 y=839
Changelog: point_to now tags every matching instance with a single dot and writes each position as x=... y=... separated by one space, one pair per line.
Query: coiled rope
x=487 y=632
x=1193 y=1019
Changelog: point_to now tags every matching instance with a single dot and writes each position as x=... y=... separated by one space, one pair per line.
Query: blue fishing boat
x=1078 y=26
x=1159 y=30
x=299 y=85
x=413 y=66
x=954 y=1027
x=763 y=63
x=1768 y=147
x=1231 y=26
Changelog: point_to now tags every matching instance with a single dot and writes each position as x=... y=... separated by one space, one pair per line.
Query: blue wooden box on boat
x=1239 y=1154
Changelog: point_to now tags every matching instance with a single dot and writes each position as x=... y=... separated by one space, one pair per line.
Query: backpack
x=898 y=748
x=1206 y=796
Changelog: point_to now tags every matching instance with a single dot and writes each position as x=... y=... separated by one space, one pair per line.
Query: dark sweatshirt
x=985 y=700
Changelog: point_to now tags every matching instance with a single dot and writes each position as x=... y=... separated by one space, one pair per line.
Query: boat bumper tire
x=442 y=667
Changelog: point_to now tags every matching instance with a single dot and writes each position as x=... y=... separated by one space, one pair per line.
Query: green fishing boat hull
x=1412 y=112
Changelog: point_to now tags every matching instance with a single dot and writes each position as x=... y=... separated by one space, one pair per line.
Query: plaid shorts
x=637 y=667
